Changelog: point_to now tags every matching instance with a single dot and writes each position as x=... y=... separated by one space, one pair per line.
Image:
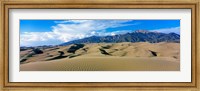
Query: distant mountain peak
x=172 y=33
x=136 y=36
x=142 y=31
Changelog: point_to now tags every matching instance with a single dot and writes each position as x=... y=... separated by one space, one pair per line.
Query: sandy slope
x=104 y=64
x=122 y=57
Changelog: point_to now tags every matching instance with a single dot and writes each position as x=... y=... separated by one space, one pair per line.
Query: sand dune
x=142 y=56
x=105 y=64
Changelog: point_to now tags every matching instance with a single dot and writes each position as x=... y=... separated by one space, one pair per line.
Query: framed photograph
x=108 y=45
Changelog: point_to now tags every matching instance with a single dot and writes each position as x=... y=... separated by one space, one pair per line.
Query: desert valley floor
x=126 y=56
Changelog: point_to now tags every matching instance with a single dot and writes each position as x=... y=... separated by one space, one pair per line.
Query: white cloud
x=37 y=38
x=115 y=33
x=168 y=30
x=72 y=21
x=70 y=30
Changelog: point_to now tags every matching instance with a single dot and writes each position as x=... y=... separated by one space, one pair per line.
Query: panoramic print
x=99 y=45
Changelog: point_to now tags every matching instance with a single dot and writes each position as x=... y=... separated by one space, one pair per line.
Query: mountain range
x=136 y=36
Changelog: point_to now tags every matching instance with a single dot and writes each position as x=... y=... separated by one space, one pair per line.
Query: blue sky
x=52 y=32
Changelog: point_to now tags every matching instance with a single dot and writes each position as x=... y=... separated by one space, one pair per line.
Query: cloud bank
x=69 y=30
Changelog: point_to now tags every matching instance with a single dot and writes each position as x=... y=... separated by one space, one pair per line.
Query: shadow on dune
x=72 y=56
x=58 y=57
x=104 y=52
x=155 y=54
x=74 y=48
